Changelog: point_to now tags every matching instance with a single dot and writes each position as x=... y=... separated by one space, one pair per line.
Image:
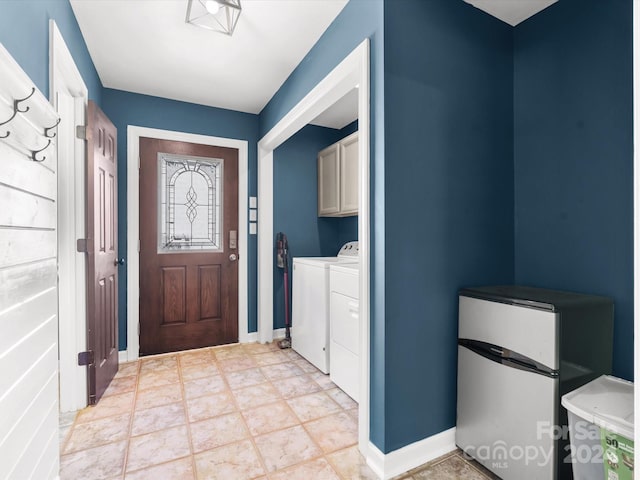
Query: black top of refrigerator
x=552 y=300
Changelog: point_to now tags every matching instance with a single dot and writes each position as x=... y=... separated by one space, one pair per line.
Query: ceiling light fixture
x=217 y=15
x=212 y=7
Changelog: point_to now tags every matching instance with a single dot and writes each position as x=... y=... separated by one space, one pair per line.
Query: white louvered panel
x=29 y=211
x=40 y=340
x=23 y=246
x=22 y=282
x=25 y=317
x=42 y=423
x=29 y=445
x=31 y=177
x=21 y=439
x=55 y=461
x=49 y=459
x=39 y=115
x=24 y=138
x=43 y=384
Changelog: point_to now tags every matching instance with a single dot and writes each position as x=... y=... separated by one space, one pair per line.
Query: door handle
x=233 y=257
x=118 y=261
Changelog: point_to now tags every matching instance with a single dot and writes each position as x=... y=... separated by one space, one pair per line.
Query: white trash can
x=601 y=429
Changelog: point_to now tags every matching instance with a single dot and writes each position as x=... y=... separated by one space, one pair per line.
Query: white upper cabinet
x=349 y=175
x=329 y=181
x=338 y=178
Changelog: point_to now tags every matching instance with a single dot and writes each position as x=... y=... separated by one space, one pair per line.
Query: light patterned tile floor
x=234 y=413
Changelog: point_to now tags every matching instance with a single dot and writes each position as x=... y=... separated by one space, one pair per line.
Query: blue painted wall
x=295 y=205
x=349 y=129
x=574 y=156
x=125 y=108
x=449 y=196
x=360 y=19
x=347 y=230
x=24 y=31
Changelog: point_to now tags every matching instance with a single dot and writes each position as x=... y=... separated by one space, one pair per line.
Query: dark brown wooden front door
x=188 y=246
x=102 y=252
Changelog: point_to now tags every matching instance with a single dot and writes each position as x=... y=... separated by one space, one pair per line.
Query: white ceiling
x=145 y=46
x=512 y=11
x=341 y=113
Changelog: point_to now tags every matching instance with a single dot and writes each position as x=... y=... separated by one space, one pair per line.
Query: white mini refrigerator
x=519 y=350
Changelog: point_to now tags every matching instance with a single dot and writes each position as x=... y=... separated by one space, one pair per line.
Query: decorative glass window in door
x=190 y=194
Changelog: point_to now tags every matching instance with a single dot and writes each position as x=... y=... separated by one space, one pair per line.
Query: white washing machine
x=310 y=309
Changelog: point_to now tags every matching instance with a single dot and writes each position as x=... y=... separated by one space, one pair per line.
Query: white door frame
x=65 y=77
x=352 y=72
x=133 y=226
x=636 y=209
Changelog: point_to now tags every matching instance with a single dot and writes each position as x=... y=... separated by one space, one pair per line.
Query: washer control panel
x=349 y=249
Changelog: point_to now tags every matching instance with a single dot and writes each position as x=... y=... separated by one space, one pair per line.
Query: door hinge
x=81 y=132
x=138 y=246
x=138 y=162
x=81 y=245
x=85 y=358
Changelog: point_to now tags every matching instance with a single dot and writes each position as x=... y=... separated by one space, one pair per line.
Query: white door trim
x=352 y=72
x=133 y=225
x=636 y=208
x=65 y=77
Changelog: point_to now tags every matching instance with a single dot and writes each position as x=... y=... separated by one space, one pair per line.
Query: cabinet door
x=349 y=175
x=328 y=182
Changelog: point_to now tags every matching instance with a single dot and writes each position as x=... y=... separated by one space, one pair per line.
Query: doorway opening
x=351 y=73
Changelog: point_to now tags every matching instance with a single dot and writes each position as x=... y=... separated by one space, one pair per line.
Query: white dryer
x=344 y=315
x=310 y=309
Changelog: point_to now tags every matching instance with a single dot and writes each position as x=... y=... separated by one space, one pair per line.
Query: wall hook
x=46 y=130
x=16 y=106
x=35 y=152
x=5 y=136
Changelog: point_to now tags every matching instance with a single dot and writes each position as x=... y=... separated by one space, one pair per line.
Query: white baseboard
x=248 y=338
x=411 y=456
x=279 y=333
x=253 y=337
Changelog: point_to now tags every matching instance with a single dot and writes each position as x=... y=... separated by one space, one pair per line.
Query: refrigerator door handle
x=507 y=357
